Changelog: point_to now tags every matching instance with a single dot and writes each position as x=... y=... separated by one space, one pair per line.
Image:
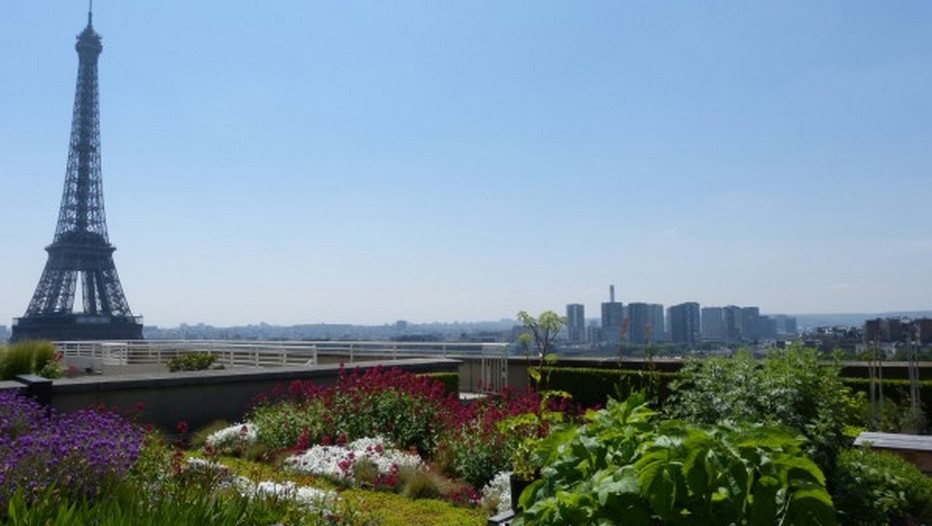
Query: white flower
x=338 y=462
x=311 y=497
x=498 y=492
x=315 y=499
x=237 y=435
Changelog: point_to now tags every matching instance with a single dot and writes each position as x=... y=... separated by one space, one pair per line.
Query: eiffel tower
x=81 y=250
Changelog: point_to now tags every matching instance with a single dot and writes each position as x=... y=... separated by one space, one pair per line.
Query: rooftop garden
x=728 y=441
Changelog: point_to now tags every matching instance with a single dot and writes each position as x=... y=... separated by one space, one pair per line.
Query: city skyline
x=304 y=162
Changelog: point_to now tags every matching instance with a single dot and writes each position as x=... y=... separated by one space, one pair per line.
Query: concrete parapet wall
x=201 y=397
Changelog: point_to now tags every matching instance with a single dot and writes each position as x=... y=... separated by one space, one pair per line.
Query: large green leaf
x=811 y=507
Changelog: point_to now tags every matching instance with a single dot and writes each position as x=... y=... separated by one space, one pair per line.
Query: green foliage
x=619 y=464
x=543 y=329
x=191 y=362
x=191 y=505
x=474 y=454
x=877 y=487
x=895 y=414
x=531 y=428
x=282 y=425
x=29 y=357
x=591 y=386
x=391 y=509
x=789 y=388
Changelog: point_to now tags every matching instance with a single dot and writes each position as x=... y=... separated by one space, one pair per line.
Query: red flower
x=182 y=426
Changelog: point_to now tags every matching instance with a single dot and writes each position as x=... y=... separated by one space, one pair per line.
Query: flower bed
x=412 y=413
x=77 y=453
x=382 y=430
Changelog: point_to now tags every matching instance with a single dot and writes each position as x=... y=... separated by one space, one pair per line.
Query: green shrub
x=593 y=386
x=789 y=388
x=191 y=362
x=895 y=414
x=280 y=425
x=877 y=487
x=622 y=464
x=29 y=357
x=475 y=452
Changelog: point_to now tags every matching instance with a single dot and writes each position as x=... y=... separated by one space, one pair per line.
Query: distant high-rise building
x=786 y=325
x=594 y=333
x=576 y=323
x=732 y=316
x=643 y=325
x=658 y=325
x=612 y=319
x=766 y=328
x=685 y=323
x=713 y=323
x=750 y=324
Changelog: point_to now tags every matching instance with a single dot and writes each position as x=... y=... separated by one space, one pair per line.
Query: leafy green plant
x=877 y=487
x=282 y=424
x=531 y=428
x=791 y=387
x=620 y=464
x=191 y=362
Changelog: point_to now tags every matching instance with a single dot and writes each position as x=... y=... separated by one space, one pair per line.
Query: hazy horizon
x=310 y=162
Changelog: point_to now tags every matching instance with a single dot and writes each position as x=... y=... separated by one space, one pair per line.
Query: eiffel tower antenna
x=90 y=12
x=81 y=251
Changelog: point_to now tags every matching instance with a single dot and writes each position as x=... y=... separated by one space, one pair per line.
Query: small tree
x=543 y=329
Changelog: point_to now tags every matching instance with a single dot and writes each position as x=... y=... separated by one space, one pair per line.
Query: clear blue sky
x=307 y=161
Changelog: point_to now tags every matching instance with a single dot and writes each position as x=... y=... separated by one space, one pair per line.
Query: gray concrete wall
x=201 y=397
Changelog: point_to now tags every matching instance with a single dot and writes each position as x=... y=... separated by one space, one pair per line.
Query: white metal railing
x=493 y=357
x=159 y=352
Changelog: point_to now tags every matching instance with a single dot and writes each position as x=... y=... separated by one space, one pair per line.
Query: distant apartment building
x=594 y=333
x=613 y=317
x=750 y=324
x=713 y=323
x=684 y=321
x=766 y=328
x=898 y=330
x=576 y=323
x=786 y=325
x=638 y=323
x=657 y=323
x=731 y=315
x=645 y=323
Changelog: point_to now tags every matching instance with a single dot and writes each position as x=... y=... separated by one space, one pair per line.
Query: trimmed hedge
x=593 y=386
x=191 y=362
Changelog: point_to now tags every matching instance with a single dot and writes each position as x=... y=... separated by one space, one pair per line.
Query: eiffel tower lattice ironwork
x=81 y=249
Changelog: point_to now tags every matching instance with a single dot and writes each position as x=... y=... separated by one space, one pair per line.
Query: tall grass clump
x=26 y=358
